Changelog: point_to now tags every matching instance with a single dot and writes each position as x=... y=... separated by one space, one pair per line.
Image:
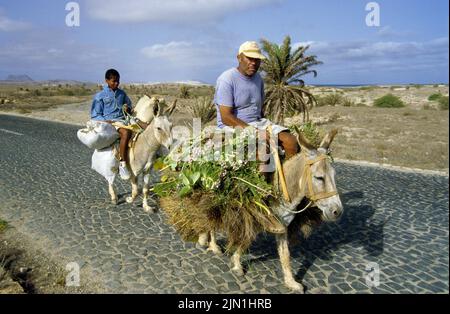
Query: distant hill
x=192 y=83
x=26 y=80
x=14 y=79
x=63 y=82
x=19 y=78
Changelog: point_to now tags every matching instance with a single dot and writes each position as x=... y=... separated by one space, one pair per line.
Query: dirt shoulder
x=27 y=268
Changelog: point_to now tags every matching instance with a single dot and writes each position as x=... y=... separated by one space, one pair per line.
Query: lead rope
x=280 y=171
x=304 y=175
x=129 y=118
x=279 y=167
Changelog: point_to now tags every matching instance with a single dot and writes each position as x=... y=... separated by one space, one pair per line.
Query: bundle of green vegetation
x=206 y=188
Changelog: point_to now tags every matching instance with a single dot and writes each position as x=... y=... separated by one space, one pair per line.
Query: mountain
x=19 y=78
x=26 y=80
x=63 y=82
x=192 y=83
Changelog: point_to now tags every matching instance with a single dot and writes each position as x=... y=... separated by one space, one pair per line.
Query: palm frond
x=286 y=94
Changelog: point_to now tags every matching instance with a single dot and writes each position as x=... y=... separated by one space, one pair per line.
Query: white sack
x=98 y=134
x=104 y=162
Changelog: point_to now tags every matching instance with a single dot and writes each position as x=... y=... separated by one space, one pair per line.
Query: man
x=239 y=98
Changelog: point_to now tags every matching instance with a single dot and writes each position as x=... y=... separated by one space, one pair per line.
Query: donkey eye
x=158 y=128
x=319 y=178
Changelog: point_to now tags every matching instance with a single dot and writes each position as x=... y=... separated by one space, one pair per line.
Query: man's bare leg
x=289 y=144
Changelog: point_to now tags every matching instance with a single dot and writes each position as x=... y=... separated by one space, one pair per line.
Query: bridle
x=307 y=175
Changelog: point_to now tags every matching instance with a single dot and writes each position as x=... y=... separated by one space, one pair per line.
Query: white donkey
x=157 y=134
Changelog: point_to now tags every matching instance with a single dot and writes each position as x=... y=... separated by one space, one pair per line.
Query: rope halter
x=307 y=174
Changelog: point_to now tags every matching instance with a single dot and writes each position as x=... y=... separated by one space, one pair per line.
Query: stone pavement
x=394 y=219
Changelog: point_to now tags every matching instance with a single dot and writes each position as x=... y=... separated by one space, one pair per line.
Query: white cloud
x=365 y=50
x=9 y=25
x=64 y=55
x=187 y=60
x=387 y=59
x=171 y=51
x=316 y=45
x=173 y=11
x=189 y=54
x=388 y=32
x=51 y=55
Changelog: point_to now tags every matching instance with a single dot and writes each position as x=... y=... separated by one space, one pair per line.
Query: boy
x=109 y=106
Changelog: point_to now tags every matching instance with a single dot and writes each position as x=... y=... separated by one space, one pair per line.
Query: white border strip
x=11 y=132
x=392 y=167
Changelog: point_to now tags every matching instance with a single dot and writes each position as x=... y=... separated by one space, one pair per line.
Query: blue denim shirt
x=107 y=105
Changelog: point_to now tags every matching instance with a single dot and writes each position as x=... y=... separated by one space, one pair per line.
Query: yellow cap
x=251 y=50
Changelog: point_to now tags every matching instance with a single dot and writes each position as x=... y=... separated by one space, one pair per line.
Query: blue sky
x=177 y=40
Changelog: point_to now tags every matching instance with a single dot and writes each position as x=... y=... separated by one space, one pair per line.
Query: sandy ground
x=69 y=113
x=401 y=137
x=414 y=138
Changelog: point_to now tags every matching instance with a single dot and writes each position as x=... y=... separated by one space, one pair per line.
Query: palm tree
x=184 y=91
x=286 y=94
x=203 y=108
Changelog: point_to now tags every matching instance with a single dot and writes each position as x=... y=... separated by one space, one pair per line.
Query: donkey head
x=145 y=108
x=162 y=127
x=318 y=177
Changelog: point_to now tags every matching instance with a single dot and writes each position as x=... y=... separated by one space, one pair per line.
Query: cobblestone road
x=395 y=219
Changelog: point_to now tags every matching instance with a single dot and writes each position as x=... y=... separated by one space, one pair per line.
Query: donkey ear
x=302 y=141
x=156 y=108
x=326 y=142
x=172 y=107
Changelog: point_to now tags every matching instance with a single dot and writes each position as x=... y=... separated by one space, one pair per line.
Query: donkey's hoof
x=215 y=249
x=114 y=201
x=203 y=239
x=238 y=271
x=130 y=199
x=295 y=286
x=148 y=209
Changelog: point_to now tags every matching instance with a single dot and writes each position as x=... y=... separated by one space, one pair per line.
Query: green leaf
x=158 y=164
x=185 y=179
x=194 y=177
x=185 y=191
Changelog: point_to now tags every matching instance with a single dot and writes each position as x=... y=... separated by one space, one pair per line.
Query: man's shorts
x=262 y=124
